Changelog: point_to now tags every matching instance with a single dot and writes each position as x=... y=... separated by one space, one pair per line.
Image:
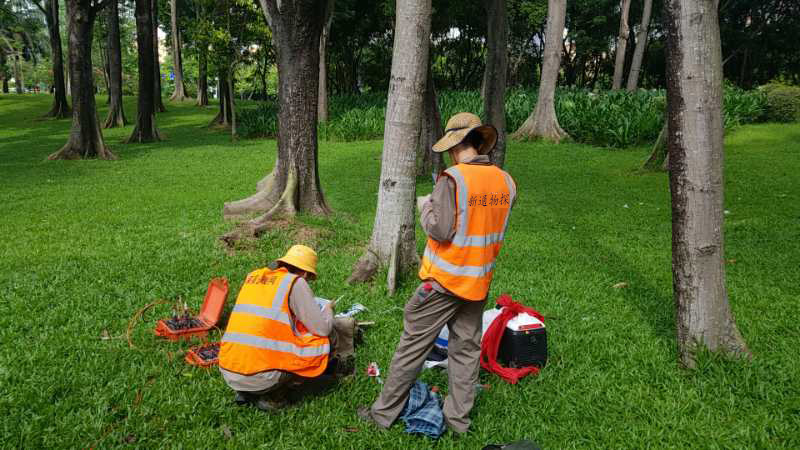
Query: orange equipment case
x=199 y=325
x=205 y=355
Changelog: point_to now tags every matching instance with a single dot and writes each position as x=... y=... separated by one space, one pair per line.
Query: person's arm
x=438 y=215
x=306 y=310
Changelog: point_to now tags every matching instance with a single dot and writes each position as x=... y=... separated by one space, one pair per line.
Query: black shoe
x=241 y=398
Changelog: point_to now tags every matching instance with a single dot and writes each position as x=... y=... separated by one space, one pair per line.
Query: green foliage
x=88 y=243
x=616 y=119
x=782 y=102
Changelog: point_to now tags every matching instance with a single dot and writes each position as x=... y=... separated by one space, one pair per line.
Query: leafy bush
x=259 y=121
x=615 y=119
x=741 y=107
x=782 y=102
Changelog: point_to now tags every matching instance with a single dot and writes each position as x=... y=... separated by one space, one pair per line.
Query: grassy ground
x=86 y=244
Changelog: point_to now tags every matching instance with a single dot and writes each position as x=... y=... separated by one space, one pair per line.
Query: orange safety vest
x=263 y=334
x=465 y=265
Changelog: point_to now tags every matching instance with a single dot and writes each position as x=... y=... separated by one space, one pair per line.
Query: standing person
x=465 y=219
x=278 y=336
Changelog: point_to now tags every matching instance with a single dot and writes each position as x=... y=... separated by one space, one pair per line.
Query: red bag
x=491 y=340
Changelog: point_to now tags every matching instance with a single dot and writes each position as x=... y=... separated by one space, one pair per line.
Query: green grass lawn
x=86 y=244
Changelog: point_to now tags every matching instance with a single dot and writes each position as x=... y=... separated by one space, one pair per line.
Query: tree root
x=365 y=268
x=531 y=130
x=285 y=206
x=262 y=200
x=659 y=158
x=59 y=111
x=139 y=136
x=73 y=149
x=115 y=118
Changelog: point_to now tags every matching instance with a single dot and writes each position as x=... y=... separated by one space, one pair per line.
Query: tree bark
x=543 y=121
x=60 y=108
x=293 y=185
x=19 y=83
x=641 y=45
x=202 y=76
x=322 y=102
x=116 y=112
x=394 y=228
x=494 y=76
x=658 y=159
x=145 y=130
x=695 y=140
x=622 y=45
x=157 y=63
x=431 y=129
x=224 y=115
x=179 y=94
x=85 y=137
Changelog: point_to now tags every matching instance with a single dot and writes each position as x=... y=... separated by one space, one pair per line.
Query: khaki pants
x=426 y=312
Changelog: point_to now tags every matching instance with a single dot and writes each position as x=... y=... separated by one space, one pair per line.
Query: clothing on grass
x=423 y=413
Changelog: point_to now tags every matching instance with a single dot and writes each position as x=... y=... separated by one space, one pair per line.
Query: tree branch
x=100 y=5
x=41 y=8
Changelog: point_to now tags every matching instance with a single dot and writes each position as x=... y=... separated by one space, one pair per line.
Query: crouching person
x=278 y=337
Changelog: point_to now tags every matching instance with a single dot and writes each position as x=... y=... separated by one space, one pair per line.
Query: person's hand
x=422 y=200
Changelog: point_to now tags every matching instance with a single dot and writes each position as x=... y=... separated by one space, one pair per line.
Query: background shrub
x=782 y=102
x=616 y=119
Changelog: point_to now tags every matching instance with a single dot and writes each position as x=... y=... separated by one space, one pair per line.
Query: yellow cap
x=302 y=257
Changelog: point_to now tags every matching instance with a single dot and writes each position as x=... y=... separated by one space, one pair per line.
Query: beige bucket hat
x=462 y=124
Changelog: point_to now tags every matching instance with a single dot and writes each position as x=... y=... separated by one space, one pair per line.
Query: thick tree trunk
x=322 y=102
x=177 y=60
x=232 y=98
x=145 y=130
x=393 y=234
x=116 y=113
x=694 y=108
x=431 y=130
x=622 y=45
x=543 y=121
x=641 y=45
x=494 y=77
x=86 y=137
x=60 y=107
x=293 y=185
x=156 y=63
x=202 y=76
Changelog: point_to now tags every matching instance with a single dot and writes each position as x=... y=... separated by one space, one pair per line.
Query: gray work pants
x=425 y=314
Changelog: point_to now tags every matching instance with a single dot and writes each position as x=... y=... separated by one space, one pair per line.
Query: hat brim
x=299 y=266
x=455 y=137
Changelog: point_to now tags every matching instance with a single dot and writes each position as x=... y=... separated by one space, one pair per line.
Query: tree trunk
x=658 y=159
x=494 y=76
x=177 y=60
x=293 y=185
x=543 y=121
x=60 y=107
x=202 y=76
x=694 y=108
x=394 y=230
x=18 y=81
x=157 y=64
x=431 y=130
x=622 y=45
x=322 y=102
x=145 y=130
x=232 y=103
x=224 y=115
x=116 y=113
x=86 y=137
x=641 y=45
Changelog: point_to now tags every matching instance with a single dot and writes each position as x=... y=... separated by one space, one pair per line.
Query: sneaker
x=241 y=398
x=269 y=405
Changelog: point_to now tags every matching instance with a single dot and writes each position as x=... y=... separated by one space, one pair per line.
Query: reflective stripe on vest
x=262 y=333
x=465 y=265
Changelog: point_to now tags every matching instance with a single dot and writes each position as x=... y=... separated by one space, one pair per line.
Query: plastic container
x=524 y=342
x=205 y=355
x=199 y=325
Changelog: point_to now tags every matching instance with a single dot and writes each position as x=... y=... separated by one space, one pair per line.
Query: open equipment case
x=197 y=326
